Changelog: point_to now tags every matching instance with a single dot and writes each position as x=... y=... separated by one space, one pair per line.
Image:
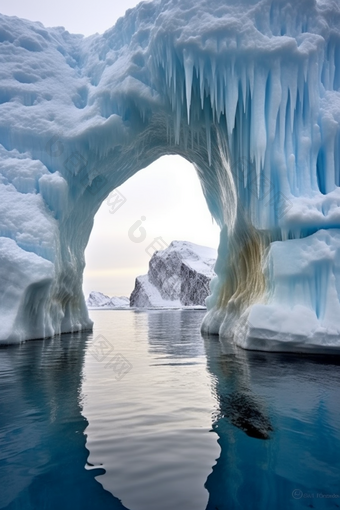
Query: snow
x=99 y=300
x=146 y=295
x=246 y=90
x=178 y=277
x=200 y=259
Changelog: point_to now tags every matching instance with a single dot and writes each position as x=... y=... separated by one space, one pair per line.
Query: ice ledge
x=300 y=311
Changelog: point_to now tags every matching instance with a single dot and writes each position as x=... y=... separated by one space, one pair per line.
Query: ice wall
x=248 y=91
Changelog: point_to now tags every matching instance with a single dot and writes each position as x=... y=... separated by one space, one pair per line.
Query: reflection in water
x=244 y=411
x=291 y=400
x=151 y=429
x=233 y=391
x=276 y=417
x=42 y=445
x=175 y=334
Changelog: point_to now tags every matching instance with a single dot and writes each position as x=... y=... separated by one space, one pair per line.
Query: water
x=145 y=414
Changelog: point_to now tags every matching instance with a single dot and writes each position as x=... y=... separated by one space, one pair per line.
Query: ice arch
x=248 y=91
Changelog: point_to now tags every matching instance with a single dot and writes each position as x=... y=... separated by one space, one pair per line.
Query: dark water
x=145 y=414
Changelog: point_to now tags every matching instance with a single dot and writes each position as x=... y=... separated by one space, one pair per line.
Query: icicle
x=231 y=99
x=220 y=97
x=201 y=72
x=292 y=84
x=174 y=73
x=169 y=66
x=258 y=132
x=213 y=87
x=251 y=77
x=232 y=64
x=178 y=121
x=244 y=87
x=274 y=100
x=313 y=78
x=282 y=116
x=188 y=71
x=208 y=133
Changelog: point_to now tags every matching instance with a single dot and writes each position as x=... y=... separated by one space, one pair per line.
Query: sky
x=163 y=201
x=77 y=16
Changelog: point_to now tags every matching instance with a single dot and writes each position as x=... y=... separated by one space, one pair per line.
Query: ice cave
x=248 y=91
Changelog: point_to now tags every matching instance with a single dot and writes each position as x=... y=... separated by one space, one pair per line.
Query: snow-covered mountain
x=99 y=300
x=178 y=276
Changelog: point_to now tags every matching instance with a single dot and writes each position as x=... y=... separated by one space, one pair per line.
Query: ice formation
x=178 y=276
x=246 y=90
x=99 y=300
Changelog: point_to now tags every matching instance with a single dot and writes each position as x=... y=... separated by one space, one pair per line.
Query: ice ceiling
x=247 y=91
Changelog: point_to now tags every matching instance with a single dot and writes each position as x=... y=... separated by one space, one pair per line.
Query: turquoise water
x=145 y=414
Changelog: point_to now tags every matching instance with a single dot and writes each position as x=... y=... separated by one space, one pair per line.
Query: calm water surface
x=145 y=414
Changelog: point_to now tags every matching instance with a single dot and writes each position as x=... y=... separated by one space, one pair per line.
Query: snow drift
x=178 y=276
x=246 y=90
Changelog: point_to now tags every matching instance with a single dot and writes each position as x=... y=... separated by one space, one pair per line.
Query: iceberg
x=99 y=300
x=248 y=91
x=178 y=276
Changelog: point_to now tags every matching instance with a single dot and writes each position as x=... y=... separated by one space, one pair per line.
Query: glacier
x=246 y=90
x=178 y=276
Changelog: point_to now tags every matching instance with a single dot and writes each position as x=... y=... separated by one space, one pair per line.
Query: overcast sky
x=166 y=198
x=77 y=16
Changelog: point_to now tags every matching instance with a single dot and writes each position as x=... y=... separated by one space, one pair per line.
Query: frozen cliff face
x=178 y=276
x=99 y=300
x=248 y=91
